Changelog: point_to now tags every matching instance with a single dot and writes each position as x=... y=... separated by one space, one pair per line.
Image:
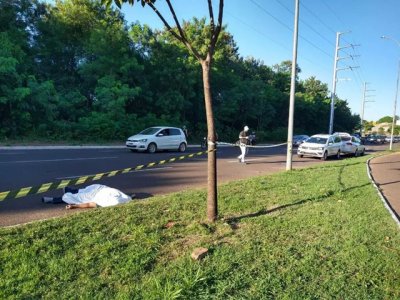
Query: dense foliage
x=76 y=70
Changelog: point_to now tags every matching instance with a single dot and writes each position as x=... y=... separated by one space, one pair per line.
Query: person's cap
x=246 y=128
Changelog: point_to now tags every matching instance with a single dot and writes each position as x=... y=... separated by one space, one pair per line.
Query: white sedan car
x=352 y=145
x=321 y=145
x=158 y=138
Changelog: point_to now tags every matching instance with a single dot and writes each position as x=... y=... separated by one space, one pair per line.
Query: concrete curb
x=386 y=203
x=68 y=147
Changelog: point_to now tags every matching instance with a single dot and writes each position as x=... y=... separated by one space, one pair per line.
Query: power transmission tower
x=335 y=79
x=363 y=105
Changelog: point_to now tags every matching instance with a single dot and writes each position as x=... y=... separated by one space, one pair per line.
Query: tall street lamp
x=397 y=90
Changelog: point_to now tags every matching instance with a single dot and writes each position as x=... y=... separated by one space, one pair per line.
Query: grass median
x=315 y=233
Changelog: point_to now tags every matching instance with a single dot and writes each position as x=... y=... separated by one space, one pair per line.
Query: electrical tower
x=335 y=70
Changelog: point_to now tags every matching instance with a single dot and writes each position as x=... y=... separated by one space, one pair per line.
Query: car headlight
x=143 y=140
x=321 y=148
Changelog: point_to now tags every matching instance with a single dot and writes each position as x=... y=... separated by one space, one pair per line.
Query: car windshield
x=150 y=131
x=317 y=140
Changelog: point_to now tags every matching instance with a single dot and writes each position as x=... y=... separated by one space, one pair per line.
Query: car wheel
x=356 y=153
x=151 y=148
x=362 y=152
x=132 y=150
x=300 y=155
x=325 y=156
x=338 y=155
x=182 y=147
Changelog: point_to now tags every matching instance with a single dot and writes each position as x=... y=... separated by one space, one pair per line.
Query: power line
x=290 y=29
x=315 y=16
x=305 y=23
x=265 y=35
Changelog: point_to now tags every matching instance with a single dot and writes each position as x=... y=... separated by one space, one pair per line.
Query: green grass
x=315 y=233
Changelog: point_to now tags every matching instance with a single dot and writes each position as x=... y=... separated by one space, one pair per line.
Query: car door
x=174 y=138
x=337 y=142
x=162 y=139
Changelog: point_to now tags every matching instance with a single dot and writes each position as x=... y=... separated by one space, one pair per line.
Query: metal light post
x=292 y=89
x=395 y=98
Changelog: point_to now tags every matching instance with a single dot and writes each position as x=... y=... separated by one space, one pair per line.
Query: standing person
x=185 y=131
x=243 y=141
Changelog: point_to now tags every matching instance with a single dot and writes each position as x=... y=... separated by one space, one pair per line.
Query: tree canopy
x=77 y=70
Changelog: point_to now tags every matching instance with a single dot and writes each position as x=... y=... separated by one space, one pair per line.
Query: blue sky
x=263 y=29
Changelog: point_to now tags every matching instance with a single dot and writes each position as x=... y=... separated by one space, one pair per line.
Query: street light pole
x=395 y=98
x=334 y=80
x=394 y=109
x=292 y=90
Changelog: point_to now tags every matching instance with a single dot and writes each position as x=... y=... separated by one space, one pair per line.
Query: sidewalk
x=385 y=171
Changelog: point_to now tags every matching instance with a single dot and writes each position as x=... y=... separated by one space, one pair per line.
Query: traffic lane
x=35 y=167
x=146 y=183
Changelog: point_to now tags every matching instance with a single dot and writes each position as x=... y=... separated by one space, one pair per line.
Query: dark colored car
x=298 y=139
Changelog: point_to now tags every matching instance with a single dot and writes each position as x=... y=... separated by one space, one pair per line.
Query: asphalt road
x=23 y=168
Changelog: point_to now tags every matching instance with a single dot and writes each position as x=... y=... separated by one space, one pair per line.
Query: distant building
x=381 y=127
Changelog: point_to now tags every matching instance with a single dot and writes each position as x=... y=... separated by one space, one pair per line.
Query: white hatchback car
x=321 y=145
x=158 y=138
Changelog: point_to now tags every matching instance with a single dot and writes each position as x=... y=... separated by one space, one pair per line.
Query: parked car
x=352 y=145
x=298 y=139
x=321 y=145
x=252 y=138
x=158 y=138
x=376 y=139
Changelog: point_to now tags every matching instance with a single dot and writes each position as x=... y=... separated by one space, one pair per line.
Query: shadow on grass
x=236 y=219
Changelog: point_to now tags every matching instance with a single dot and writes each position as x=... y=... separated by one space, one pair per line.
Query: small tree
x=205 y=59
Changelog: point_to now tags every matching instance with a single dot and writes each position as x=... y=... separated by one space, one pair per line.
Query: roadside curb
x=68 y=147
x=385 y=201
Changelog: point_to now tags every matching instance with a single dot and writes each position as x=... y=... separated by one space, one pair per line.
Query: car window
x=174 y=131
x=345 y=138
x=164 y=132
x=317 y=140
x=150 y=131
x=337 y=139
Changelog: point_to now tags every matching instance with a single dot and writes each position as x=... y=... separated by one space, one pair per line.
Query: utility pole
x=292 y=89
x=394 y=109
x=397 y=90
x=334 y=79
x=363 y=106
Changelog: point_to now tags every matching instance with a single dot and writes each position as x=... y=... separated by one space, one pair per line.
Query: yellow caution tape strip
x=45 y=187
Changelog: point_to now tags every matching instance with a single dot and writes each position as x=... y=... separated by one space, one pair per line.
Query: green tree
x=386 y=119
x=203 y=51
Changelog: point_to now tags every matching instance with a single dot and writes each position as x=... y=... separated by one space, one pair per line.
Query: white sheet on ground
x=100 y=194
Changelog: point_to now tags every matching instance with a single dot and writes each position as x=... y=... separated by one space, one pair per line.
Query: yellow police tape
x=45 y=187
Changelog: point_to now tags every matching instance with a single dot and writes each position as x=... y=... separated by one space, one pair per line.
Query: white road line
x=247 y=160
x=61 y=159
x=133 y=171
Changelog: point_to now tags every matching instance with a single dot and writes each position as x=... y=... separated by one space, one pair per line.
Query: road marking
x=133 y=171
x=12 y=153
x=61 y=159
x=247 y=160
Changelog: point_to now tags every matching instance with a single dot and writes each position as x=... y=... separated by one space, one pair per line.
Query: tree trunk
x=212 y=205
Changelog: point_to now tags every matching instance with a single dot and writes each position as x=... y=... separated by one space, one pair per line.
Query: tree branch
x=210 y=9
x=182 y=38
x=165 y=22
x=219 y=25
x=178 y=25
